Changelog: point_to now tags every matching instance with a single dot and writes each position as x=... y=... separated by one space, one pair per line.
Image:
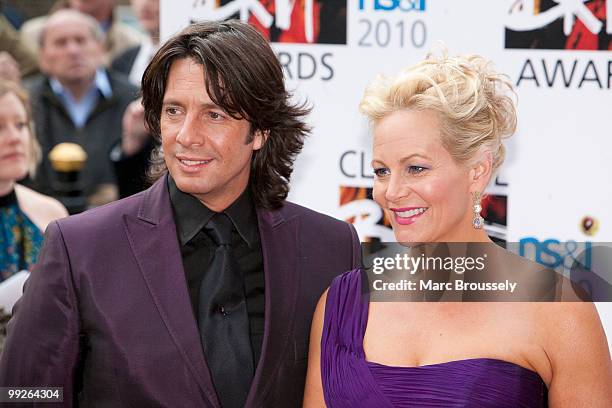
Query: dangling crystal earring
x=477 y=222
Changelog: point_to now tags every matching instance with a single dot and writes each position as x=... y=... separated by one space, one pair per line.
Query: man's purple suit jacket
x=106 y=313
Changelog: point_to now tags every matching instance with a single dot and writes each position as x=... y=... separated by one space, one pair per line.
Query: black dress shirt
x=197 y=250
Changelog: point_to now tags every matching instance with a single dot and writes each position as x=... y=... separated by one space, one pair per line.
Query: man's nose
x=191 y=132
x=73 y=47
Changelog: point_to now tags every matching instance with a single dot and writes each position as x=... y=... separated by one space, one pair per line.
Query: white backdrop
x=555 y=182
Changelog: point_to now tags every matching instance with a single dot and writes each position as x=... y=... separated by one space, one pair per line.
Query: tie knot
x=219 y=228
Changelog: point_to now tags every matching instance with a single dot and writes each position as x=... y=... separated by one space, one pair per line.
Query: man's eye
x=172 y=111
x=215 y=115
x=381 y=172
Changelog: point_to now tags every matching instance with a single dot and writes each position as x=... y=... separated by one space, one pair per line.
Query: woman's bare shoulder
x=560 y=316
x=577 y=348
x=571 y=329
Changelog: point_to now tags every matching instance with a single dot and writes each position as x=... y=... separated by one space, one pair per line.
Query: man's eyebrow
x=171 y=101
x=207 y=105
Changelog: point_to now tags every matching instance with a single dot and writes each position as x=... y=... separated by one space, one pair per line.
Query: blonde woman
x=24 y=213
x=438 y=130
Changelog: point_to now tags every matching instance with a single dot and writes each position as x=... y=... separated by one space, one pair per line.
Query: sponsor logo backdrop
x=555 y=184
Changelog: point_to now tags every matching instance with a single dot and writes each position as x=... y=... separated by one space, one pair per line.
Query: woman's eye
x=21 y=125
x=416 y=169
x=381 y=172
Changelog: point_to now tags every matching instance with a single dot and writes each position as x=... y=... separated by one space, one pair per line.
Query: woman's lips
x=408 y=215
x=12 y=156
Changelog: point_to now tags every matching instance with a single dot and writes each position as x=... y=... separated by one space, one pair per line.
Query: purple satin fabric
x=350 y=381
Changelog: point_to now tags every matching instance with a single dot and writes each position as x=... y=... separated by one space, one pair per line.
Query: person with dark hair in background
x=197 y=291
x=133 y=61
x=131 y=156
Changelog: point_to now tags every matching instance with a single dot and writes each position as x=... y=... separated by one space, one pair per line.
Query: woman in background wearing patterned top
x=438 y=130
x=24 y=213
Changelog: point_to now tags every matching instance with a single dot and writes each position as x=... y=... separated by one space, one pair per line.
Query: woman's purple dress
x=351 y=381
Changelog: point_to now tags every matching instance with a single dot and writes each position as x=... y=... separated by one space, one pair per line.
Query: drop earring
x=478 y=221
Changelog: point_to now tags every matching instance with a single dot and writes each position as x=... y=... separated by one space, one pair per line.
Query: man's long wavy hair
x=243 y=77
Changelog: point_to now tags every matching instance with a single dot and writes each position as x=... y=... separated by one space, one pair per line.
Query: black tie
x=224 y=321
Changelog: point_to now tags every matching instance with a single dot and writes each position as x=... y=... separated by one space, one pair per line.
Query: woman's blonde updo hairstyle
x=471 y=99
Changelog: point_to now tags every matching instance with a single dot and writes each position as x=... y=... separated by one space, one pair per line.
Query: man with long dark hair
x=198 y=291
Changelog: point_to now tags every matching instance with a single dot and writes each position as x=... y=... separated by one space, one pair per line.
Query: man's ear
x=259 y=138
x=481 y=171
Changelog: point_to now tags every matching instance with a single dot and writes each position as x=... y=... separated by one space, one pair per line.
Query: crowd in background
x=72 y=132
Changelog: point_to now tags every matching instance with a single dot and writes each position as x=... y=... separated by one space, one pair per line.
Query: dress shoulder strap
x=346 y=312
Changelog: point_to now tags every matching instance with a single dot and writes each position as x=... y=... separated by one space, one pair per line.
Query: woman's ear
x=481 y=171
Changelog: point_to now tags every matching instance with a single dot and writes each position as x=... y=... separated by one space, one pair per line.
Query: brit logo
x=289 y=21
x=560 y=24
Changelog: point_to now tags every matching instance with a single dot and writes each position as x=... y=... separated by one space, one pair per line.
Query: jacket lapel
x=280 y=251
x=153 y=239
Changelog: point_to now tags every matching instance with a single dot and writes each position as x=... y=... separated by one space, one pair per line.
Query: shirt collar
x=101 y=83
x=191 y=215
x=243 y=216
